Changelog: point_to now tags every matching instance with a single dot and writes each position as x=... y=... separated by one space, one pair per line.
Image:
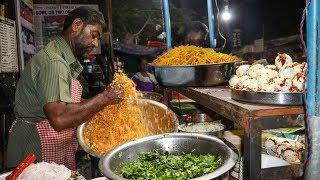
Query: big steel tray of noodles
x=159 y=119
x=194 y=75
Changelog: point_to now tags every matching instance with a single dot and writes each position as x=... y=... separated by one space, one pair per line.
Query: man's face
x=87 y=40
x=195 y=38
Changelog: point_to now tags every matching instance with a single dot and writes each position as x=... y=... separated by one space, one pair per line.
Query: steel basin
x=218 y=132
x=159 y=119
x=194 y=75
x=151 y=95
x=195 y=118
x=175 y=143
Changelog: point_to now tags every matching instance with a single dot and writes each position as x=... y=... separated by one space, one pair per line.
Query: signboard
x=259 y=45
x=236 y=38
x=8 y=46
x=49 y=20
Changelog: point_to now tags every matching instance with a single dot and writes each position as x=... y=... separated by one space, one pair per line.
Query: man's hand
x=113 y=94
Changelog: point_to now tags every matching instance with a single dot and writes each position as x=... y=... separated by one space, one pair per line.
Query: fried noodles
x=118 y=123
x=193 y=55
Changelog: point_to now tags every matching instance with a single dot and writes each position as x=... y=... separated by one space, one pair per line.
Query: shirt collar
x=67 y=54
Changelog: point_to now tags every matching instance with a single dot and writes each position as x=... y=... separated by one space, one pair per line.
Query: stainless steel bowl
x=175 y=143
x=198 y=75
x=218 y=132
x=159 y=119
x=152 y=95
x=195 y=118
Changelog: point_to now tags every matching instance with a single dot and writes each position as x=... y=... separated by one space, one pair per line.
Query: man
x=195 y=34
x=48 y=96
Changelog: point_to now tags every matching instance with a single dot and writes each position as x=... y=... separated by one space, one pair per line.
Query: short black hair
x=140 y=60
x=86 y=14
x=196 y=26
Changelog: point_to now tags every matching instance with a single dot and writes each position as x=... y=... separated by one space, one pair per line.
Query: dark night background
x=279 y=18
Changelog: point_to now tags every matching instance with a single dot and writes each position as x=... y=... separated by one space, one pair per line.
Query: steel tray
x=272 y=98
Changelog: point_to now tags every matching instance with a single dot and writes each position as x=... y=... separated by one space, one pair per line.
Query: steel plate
x=271 y=98
x=197 y=75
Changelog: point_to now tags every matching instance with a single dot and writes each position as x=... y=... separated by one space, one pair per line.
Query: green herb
x=166 y=166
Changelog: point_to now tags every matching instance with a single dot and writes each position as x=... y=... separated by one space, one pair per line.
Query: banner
x=8 y=46
x=49 y=20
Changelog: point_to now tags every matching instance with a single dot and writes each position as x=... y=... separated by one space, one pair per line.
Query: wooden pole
x=109 y=17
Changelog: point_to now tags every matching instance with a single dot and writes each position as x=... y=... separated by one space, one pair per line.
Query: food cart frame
x=255 y=118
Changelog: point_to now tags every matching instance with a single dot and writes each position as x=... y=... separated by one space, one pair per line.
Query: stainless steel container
x=272 y=98
x=159 y=119
x=175 y=143
x=195 y=118
x=194 y=75
x=218 y=131
x=151 y=95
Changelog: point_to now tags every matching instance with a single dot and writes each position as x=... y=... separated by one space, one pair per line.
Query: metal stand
x=313 y=114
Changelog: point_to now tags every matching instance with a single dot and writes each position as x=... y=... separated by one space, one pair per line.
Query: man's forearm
x=81 y=112
x=63 y=116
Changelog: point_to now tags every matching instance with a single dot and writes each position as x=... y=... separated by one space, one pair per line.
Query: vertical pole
x=211 y=24
x=312 y=57
x=167 y=23
x=313 y=115
x=109 y=17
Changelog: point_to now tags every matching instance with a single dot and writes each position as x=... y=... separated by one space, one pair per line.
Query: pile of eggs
x=284 y=76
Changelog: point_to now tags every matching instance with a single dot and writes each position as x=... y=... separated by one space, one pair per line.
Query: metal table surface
x=253 y=118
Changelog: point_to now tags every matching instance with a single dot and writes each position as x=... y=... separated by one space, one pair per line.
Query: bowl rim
x=181 y=126
x=228 y=164
x=199 y=65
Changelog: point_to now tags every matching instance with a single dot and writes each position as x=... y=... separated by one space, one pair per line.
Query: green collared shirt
x=46 y=78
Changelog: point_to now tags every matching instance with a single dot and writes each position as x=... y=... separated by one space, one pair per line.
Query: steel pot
x=175 y=143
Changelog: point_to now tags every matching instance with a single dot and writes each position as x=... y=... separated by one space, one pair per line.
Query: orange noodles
x=192 y=55
x=118 y=123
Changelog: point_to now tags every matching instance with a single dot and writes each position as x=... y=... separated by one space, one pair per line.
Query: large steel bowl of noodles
x=194 y=75
x=157 y=116
x=193 y=66
x=174 y=143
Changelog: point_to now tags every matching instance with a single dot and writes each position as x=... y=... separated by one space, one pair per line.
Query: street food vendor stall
x=138 y=138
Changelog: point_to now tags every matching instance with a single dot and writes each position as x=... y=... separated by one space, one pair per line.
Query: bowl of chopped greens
x=169 y=156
